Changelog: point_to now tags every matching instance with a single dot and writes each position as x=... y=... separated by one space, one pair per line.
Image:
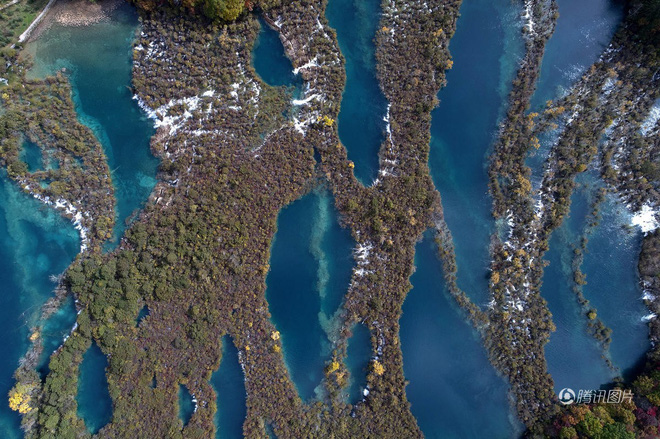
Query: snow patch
x=646 y=218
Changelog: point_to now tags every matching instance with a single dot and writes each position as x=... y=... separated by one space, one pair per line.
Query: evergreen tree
x=212 y=8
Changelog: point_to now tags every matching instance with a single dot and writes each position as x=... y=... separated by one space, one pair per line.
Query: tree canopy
x=223 y=10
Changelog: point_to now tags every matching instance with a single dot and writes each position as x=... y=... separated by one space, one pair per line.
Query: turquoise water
x=186 y=405
x=53 y=331
x=310 y=269
x=98 y=60
x=454 y=392
x=360 y=122
x=269 y=59
x=228 y=383
x=584 y=29
x=485 y=49
x=357 y=361
x=94 y=403
x=31 y=155
x=35 y=243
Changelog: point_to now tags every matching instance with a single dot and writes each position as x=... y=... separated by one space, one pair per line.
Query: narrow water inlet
x=94 y=402
x=310 y=269
x=360 y=123
x=187 y=405
x=229 y=385
x=613 y=285
x=583 y=31
x=586 y=369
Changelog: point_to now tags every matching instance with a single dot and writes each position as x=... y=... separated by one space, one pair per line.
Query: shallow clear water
x=360 y=122
x=228 y=383
x=98 y=61
x=94 y=403
x=35 y=243
x=454 y=392
x=358 y=355
x=310 y=269
x=485 y=50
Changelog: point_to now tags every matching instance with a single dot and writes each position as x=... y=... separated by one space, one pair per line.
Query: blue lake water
x=360 y=122
x=94 y=403
x=451 y=379
x=358 y=355
x=228 y=383
x=144 y=312
x=584 y=29
x=310 y=269
x=269 y=59
x=98 y=59
x=485 y=50
x=36 y=243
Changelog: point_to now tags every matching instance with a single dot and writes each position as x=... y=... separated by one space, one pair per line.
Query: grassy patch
x=16 y=18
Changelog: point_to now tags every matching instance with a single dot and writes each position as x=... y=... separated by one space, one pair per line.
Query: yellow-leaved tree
x=20 y=397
